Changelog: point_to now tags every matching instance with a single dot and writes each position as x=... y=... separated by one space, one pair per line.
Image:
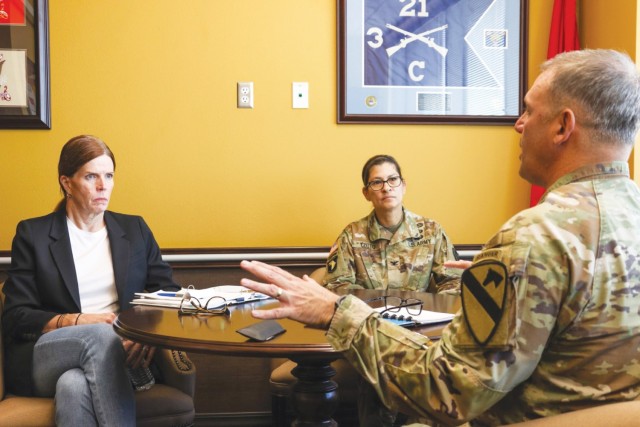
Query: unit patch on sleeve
x=332 y=263
x=484 y=290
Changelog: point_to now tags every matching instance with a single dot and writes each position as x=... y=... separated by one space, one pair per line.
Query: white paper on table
x=426 y=317
x=233 y=294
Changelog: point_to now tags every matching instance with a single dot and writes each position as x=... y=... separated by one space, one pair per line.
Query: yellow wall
x=603 y=26
x=157 y=80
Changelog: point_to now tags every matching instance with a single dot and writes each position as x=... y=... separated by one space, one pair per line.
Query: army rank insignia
x=484 y=291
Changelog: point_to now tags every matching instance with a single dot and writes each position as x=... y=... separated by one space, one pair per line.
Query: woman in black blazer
x=71 y=272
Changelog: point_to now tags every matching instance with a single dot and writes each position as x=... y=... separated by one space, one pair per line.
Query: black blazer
x=42 y=281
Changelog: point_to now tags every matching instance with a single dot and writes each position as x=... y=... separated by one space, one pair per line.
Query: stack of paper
x=425 y=318
x=231 y=293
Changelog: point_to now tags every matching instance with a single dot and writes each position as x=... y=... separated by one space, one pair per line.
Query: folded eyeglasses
x=213 y=306
x=394 y=304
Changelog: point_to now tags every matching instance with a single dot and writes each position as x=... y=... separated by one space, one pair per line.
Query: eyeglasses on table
x=394 y=304
x=213 y=306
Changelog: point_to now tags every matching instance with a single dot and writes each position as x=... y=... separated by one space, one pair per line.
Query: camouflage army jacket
x=367 y=255
x=563 y=335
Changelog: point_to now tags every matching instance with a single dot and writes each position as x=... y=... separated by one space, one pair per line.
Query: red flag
x=563 y=37
x=12 y=12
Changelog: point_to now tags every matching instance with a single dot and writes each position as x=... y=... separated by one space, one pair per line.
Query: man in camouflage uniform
x=550 y=307
x=369 y=256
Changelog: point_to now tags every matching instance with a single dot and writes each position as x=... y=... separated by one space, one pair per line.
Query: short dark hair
x=78 y=151
x=378 y=160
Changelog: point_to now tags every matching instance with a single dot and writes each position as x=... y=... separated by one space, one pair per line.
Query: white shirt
x=94 y=270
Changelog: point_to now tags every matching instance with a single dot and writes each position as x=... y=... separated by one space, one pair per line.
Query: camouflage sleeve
x=479 y=358
x=443 y=280
x=341 y=265
x=407 y=370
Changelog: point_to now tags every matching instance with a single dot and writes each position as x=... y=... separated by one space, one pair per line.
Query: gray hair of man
x=605 y=84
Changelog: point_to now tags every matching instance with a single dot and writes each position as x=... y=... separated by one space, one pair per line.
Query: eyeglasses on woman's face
x=378 y=184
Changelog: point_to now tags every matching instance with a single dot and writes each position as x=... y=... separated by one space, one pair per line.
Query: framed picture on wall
x=24 y=65
x=431 y=61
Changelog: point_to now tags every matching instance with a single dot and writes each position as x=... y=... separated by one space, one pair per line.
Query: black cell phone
x=262 y=331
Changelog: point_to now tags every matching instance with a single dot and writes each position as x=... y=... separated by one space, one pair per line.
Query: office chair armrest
x=177 y=369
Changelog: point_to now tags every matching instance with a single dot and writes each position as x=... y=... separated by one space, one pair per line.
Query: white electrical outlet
x=245 y=94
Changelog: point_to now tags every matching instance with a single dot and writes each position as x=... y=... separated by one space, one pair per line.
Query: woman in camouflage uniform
x=391 y=248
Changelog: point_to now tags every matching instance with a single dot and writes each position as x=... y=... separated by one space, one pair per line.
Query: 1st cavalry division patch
x=484 y=290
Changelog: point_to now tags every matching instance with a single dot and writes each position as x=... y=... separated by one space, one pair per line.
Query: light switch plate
x=300 y=92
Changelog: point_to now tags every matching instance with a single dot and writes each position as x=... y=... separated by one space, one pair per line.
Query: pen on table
x=169 y=294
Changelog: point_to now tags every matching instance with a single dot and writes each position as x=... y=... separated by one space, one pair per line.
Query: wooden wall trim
x=312 y=256
x=289 y=255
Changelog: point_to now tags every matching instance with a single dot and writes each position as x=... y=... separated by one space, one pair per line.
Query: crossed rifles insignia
x=484 y=291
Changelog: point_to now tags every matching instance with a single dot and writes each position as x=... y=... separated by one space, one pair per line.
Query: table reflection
x=315 y=395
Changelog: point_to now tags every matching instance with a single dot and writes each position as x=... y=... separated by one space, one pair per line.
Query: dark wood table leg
x=315 y=395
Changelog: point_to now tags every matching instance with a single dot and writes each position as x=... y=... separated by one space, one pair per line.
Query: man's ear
x=566 y=123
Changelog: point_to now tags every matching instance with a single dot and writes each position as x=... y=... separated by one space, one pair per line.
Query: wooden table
x=315 y=395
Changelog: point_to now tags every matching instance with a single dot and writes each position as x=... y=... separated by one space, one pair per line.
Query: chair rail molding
x=277 y=254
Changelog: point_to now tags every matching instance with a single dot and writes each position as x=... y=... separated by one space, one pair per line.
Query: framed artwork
x=24 y=65
x=431 y=61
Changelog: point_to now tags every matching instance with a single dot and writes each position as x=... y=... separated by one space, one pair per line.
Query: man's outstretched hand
x=301 y=299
